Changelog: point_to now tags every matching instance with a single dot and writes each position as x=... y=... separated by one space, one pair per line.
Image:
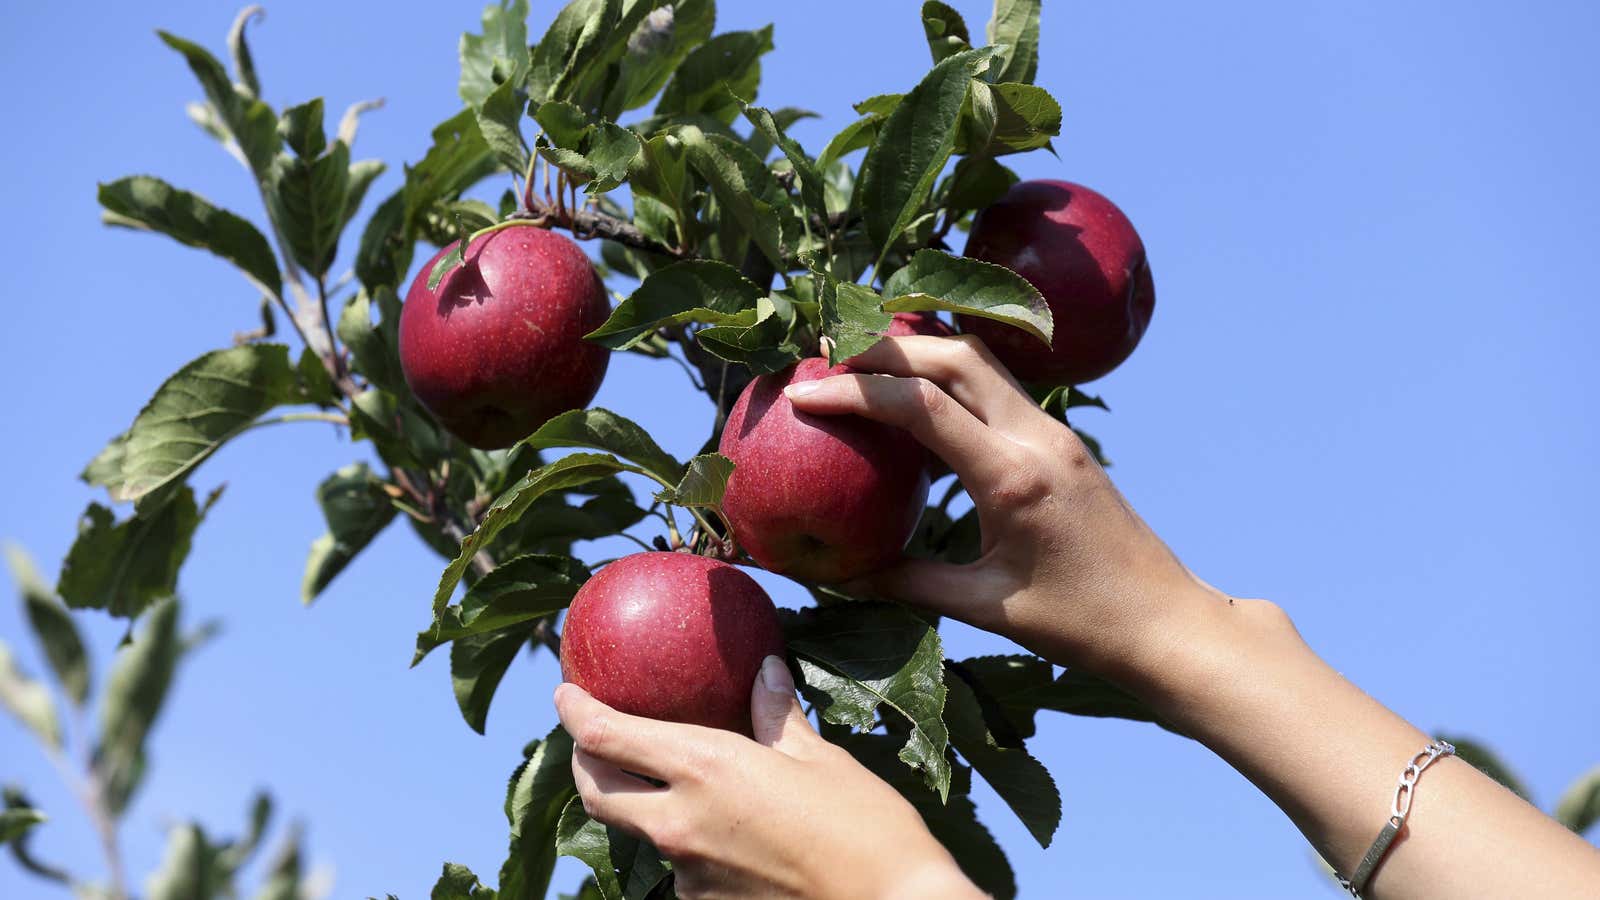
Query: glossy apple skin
x=498 y=348
x=820 y=498
x=909 y=323
x=1084 y=256
x=671 y=636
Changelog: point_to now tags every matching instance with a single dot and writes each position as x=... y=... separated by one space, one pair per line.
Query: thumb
x=775 y=714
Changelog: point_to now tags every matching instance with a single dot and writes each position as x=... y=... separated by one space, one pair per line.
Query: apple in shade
x=1083 y=255
x=671 y=636
x=909 y=323
x=497 y=348
x=820 y=498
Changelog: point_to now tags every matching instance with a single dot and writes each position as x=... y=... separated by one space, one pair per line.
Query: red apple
x=821 y=498
x=671 y=636
x=1083 y=255
x=498 y=348
x=909 y=323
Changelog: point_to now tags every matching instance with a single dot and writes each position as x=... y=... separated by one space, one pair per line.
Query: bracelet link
x=1399 y=810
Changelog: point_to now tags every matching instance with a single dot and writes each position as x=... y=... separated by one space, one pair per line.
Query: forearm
x=1239 y=679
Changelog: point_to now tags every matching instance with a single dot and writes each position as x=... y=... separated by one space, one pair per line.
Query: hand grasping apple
x=1067 y=569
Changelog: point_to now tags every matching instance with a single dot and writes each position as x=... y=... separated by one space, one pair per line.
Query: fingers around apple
x=671 y=636
x=821 y=498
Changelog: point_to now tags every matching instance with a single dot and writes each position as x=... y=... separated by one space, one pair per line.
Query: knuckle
x=929 y=396
x=966 y=349
x=597 y=734
x=675 y=838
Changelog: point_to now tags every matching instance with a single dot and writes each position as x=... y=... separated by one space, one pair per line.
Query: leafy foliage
x=749 y=253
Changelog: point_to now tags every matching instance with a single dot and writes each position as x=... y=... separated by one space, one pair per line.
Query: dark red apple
x=1083 y=255
x=822 y=498
x=671 y=636
x=498 y=348
x=909 y=323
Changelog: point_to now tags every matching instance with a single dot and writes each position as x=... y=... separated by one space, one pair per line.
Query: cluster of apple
x=497 y=348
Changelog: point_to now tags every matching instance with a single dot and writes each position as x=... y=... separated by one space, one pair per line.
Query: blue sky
x=1366 y=394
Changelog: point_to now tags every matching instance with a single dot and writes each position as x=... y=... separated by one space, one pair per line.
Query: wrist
x=937 y=878
x=1207 y=641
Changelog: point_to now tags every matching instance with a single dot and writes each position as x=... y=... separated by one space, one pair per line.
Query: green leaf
x=1009 y=118
x=306 y=197
x=359 y=177
x=912 y=145
x=856 y=658
x=657 y=48
x=477 y=663
x=811 y=183
x=356 y=509
x=953 y=821
x=602 y=429
x=945 y=29
x=18 y=821
x=1016 y=687
x=760 y=141
x=625 y=868
x=134 y=693
x=703 y=483
x=746 y=190
x=457 y=882
x=28 y=700
x=976 y=183
x=593 y=151
x=767 y=345
x=192 y=414
x=539 y=790
x=497 y=56
x=458 y=159
x=717 y=75
x=500 y=123
x=188 y=868
x=858 y=134
x=572 y=45
x=1579 y=807
x=879 y=104
x=1478 y=755
x=934 y=280
x=1064 y=397
x=566 y=472
x=518 y=590
x=853 y=318
x=232 y=856
x=1020 y=780
x=663 y=175
x=243 y=118
x=1015 y=23
x=283 y=873
x=699 y=290
x=52 y=625
x=375 y=348
x=143 y=202
x=386 y=245
x=123 y=567
x=301 y=128
x=244 y=64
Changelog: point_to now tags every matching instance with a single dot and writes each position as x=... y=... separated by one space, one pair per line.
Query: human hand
x=1067 y=569
x=785 y=815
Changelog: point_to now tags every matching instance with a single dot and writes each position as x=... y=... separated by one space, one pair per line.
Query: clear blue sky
x=1367 y=394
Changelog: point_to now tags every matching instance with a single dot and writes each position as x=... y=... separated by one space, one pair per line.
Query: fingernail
x=775 y=676
x=801 y=389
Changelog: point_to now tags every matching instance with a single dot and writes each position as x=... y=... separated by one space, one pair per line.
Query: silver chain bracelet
x=1398 y=812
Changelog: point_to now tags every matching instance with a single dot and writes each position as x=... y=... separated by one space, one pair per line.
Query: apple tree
x=635 y=129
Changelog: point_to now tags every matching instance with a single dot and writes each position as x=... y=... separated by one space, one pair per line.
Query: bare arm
x=1071 y=572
